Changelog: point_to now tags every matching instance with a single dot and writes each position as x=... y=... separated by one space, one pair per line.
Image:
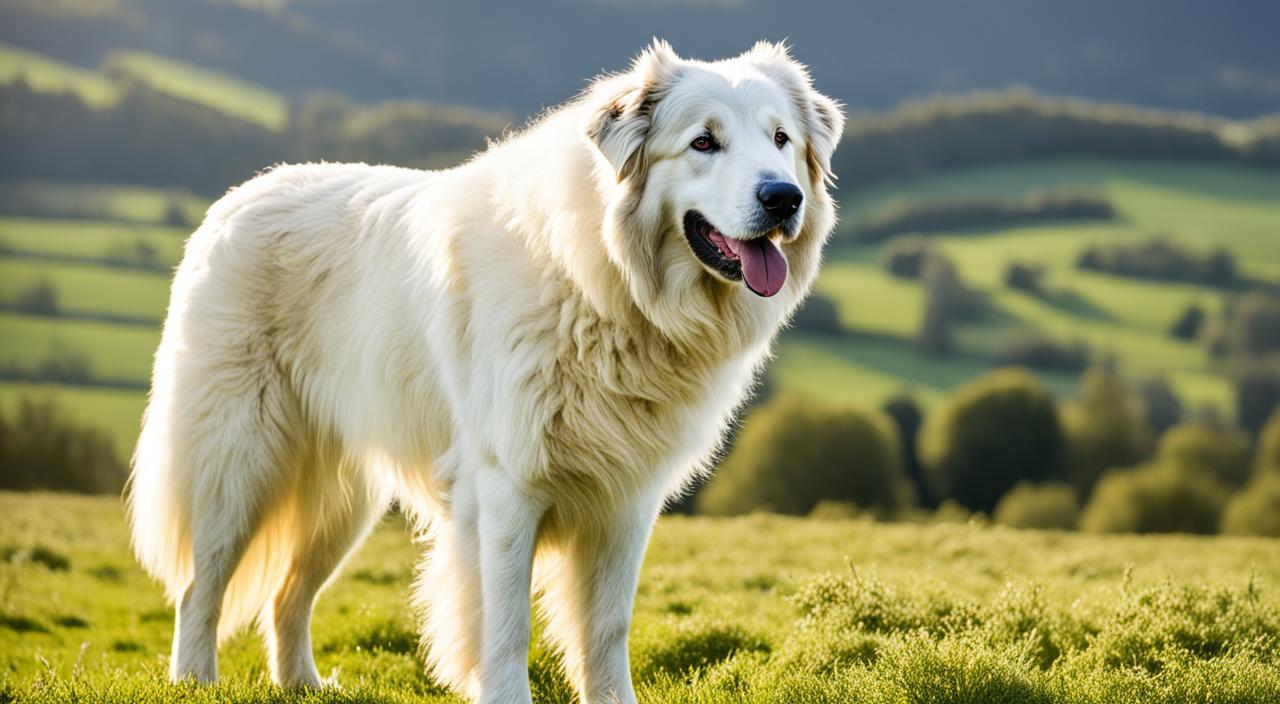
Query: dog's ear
x=821 y=117
x=623 y=111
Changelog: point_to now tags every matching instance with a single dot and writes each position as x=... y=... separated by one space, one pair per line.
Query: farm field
x=752 y=609
x=102 y=87
x=874 y=358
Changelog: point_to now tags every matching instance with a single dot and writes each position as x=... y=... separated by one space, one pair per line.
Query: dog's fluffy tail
x=161 y=498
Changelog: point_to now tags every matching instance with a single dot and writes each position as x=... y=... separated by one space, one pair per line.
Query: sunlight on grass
x=219 y=91
x=49 y=75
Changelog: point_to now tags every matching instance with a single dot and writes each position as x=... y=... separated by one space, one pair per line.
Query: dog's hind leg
x=237 y=435
x=334 y=508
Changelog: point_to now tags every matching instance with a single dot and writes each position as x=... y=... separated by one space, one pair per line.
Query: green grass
x=88 y=240
x=116 y=411
x=115 y=352
x=90 y=288
x=99 y=201
x=49 y=75
x=215 y=89
x=754 y=609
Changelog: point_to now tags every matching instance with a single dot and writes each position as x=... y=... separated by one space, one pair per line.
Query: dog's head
x=718 y=176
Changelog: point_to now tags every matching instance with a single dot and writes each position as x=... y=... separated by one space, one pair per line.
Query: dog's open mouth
x=758 y=261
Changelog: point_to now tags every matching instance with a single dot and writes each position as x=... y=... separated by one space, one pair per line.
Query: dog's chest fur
x=631 y=406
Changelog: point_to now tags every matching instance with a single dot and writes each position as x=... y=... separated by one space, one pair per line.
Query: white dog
x=529 y=352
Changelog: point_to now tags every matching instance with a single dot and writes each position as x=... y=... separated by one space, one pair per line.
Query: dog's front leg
x=591 y=599
x=508 y=527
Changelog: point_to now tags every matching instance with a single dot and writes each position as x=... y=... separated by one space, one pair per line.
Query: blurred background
x=1053 y=298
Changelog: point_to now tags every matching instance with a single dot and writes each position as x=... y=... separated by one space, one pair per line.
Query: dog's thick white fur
x=526 y=352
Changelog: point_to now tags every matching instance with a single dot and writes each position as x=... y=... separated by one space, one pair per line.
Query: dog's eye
x=780 y=139
x=704 y=143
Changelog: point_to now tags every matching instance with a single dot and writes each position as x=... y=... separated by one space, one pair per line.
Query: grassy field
x=217 y=90
x=755 y=609
x=45 y=74
x=102 y=87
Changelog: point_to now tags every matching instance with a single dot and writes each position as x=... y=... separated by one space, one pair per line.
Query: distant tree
x=1028 y=278
x=1253 y=327
x=1221 y=452
x=946 y=298
x=38 y=298
x=1155 y=499
x=1160 y=404
x=904 y=256
x=1188 y=324
x=1255 y=510
x=1105 y=428
x=1257 y=396
x=818 y=314
x=1160 y=257
x=908 y=417
x=1267 y=459
x=1036 y=350
x=175 y=215
x=793 y=454
x=1052 y=505
x=65 y=364
x=991 y=434
x=42 y=448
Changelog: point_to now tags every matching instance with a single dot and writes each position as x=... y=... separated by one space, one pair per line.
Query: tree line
x=153 y=138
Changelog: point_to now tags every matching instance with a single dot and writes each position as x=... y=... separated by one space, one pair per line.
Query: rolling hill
x=104 y=308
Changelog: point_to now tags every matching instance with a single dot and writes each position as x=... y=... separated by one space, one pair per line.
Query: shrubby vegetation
x=818 y=314
x=1255 y=510
x=151 y=137
x=1052 y=505
x=1257 y=396
x=1155 y=499
x=794 y=453
x=42 y=448
x=1189 y=324
x=1105 y=428
x=1016 y=125
x=1036 y=350
x=990 y=435
x=908 y=417
x=946 y=299
x=904 y=256
x=1222 y=453
x=1025 y=277
x=38 y=298
x=1163 y=259
x=1161 y=407
x=960 y=212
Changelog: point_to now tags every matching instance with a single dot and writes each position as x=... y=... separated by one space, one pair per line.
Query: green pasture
x=115 y=352
x=217 y=90
x=89 y=240
x=89 y=289
x=50 y=75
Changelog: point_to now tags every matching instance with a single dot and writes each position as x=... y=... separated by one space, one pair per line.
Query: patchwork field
x=85 y=252
x=102 y=87
x=755 y=609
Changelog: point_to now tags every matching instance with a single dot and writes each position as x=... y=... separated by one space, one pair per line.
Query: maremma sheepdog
x=529 y=353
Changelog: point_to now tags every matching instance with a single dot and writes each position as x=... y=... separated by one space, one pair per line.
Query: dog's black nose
x=779 y=198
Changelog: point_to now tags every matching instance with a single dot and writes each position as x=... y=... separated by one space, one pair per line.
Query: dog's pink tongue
x=764 y=266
